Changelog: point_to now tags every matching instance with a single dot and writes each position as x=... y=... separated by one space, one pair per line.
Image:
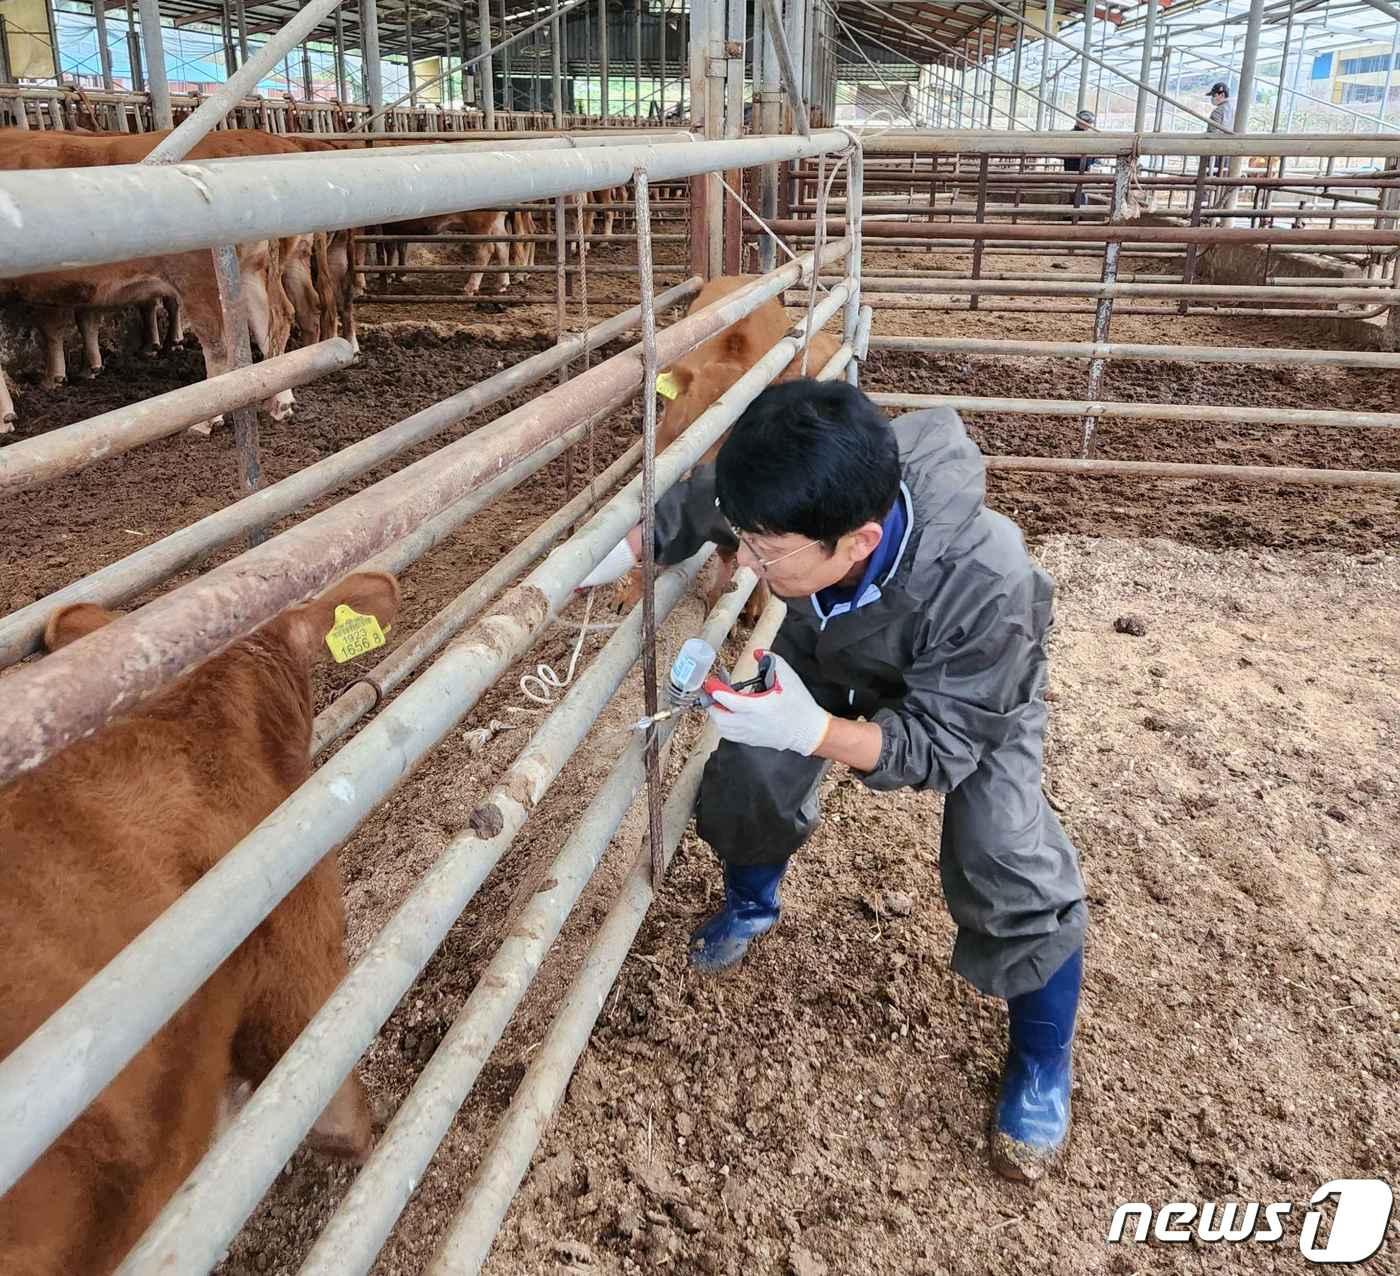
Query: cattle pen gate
x=836 y=222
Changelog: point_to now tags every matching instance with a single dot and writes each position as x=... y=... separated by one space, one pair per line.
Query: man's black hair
x=815 y=458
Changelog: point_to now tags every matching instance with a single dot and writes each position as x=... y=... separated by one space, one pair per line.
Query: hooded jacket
x=950 y=659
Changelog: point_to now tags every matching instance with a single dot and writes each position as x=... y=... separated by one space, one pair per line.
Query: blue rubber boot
x=1033 y=1115
x=750 y=908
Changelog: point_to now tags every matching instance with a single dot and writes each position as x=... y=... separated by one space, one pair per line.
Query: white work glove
x=785 y=717
x=615 y=566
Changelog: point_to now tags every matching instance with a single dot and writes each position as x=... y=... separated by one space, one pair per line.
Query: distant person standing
x=1083 y=123
x=1221 y=120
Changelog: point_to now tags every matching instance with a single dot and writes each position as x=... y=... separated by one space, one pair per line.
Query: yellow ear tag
x=353 y=634
x=667 y=387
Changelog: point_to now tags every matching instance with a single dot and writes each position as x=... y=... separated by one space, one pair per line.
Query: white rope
x=545 y=678
x=767 y=229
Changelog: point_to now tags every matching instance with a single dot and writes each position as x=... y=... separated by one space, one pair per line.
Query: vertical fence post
x=240 y=354
x=855 y=197
x=649 y=688
x=1103 y=312
x=979 y=245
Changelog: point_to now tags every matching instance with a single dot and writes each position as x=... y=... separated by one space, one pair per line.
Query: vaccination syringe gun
x=691 y=684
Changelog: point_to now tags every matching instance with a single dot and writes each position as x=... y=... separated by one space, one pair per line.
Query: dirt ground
x=1229 y=778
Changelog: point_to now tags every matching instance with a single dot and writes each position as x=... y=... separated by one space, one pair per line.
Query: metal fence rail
x=141 y=211
x=238 y=1169
x=48 y=1081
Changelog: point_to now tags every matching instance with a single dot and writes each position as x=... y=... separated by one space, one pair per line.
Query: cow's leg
x=341 y=253
x=295 y=960
x=201 y=307
x=175 y=323
x=7 y=406
x=478 y=255
x=500 y=250
x=88 y=323
x=269 y=321
x=53 y=323
x=150 y=317
x=301 y=291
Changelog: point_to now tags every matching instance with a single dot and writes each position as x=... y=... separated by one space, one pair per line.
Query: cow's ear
x=368 y=593
x=75 y=621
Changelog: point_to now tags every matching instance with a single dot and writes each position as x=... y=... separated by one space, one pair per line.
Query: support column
x=1016 y=66
x=342 y=77
x=507 y=63
x=734 y=126
x=1088 y=53
x=485 y=66
x=661 y=55
x=992 y=74
x=637 y=66
x=768 y=108
x=556 y=85
x=604 y=108
x=1283 y=72
x=1049 y=27
x=104 y=52
x=408 y=48
x=133 y=47
x=154 y=44
x=1389 y=75
x=1245 y=98
x=369 y=54
x=1145 y=68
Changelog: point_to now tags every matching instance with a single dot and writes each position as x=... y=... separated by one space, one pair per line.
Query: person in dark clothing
x=1083 y=123
x=914 y=652
x=1220 y=122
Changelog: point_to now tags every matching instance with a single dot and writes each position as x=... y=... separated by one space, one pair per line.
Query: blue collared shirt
x=835 y=600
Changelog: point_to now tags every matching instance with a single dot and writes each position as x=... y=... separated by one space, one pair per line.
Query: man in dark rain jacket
x=913 y=651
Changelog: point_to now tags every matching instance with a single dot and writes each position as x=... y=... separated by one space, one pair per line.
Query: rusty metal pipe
x=74 y=447
x=894 y=288
x=360 y=697
x=1122 y=350
x=116 y=583
x=1076 y=467
x=1127 y=232
x=1144 y=411
x=73 y=692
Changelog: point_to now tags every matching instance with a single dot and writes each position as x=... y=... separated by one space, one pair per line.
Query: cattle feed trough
x=457 y=656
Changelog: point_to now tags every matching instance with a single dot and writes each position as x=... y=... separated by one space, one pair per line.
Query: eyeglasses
x=763 y=564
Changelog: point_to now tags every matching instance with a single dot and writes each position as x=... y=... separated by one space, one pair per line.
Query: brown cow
x=302 y=285
x=708 y=372
x=97 y=843
x=482 y=222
